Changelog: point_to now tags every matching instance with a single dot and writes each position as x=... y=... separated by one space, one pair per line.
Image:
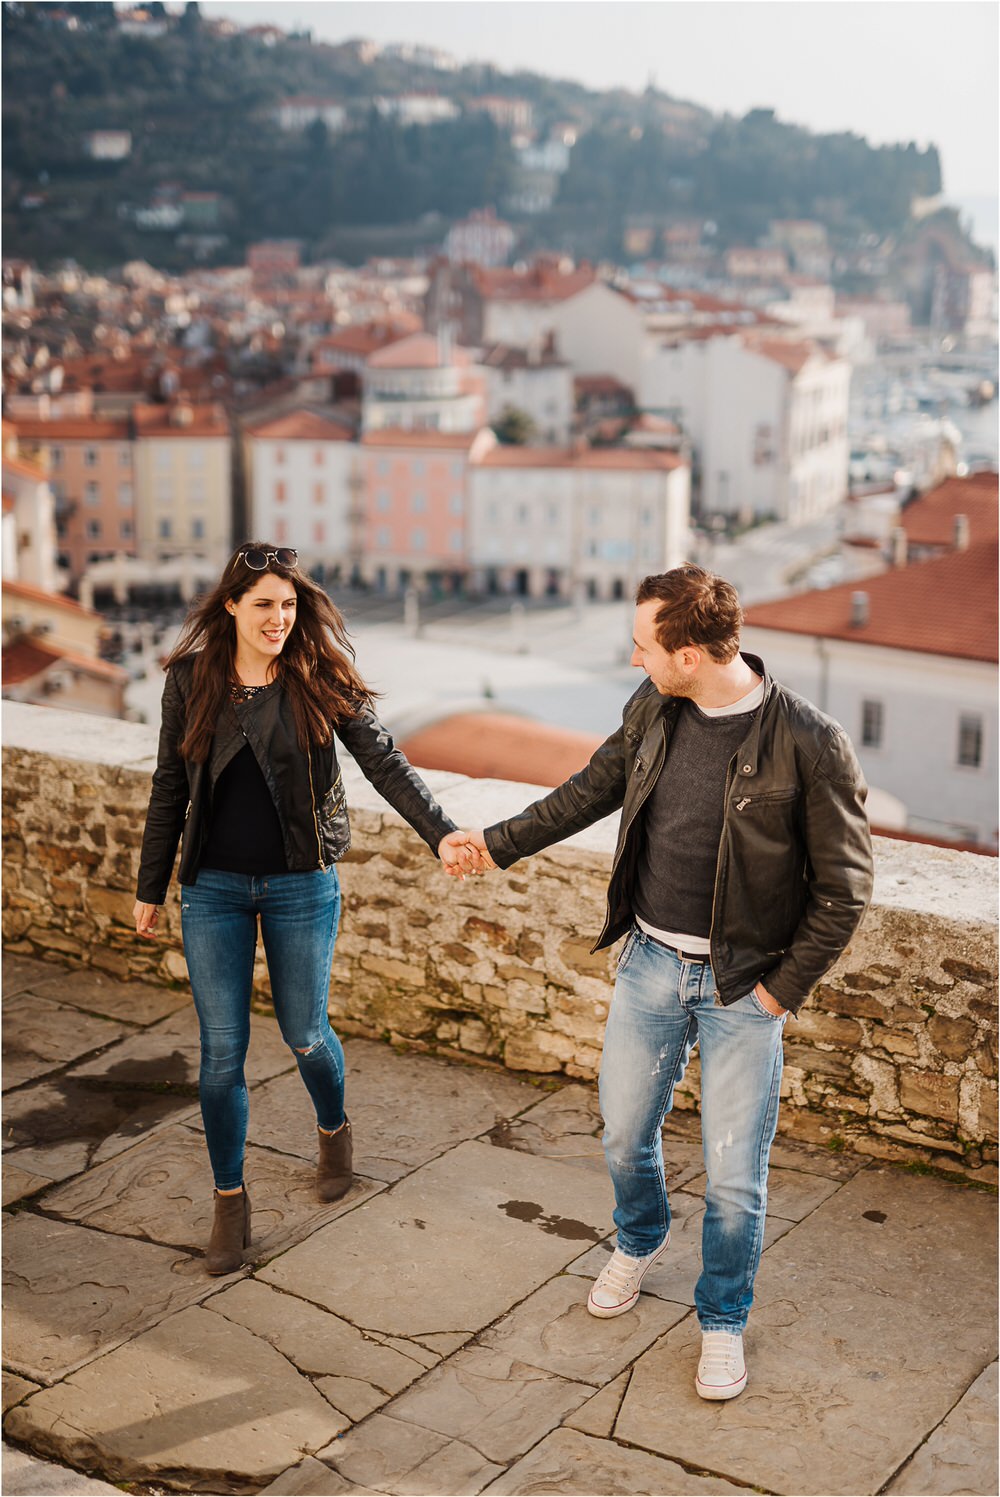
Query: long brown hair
x=316 y=667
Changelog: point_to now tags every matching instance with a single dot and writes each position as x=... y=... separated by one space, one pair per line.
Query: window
x=165 y=530
x=125 y=530
x=125 y=495
x=383 y=466
x=161 y=457
x=454 y=540
x=124 y=457
x=280 y=532
x=970 y=740
x=383 y=537
x=90 y=457
x=279 y=492
x=419 y=504
x=383 y=503
x=456 y=505
x=872 y=724
x=56 y=456
x=196 y=457
x=197 y=530
x=279 y=456
x=418 y=539
x=419 y=467
x=93 y=530
x=319 y=532
x=318 y=457
x=91 y=494
x=319 y=493
x=457 y=467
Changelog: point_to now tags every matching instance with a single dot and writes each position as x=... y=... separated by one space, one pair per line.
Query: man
x=743 y=867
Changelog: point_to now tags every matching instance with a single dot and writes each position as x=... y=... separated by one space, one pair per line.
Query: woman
x=247 y=771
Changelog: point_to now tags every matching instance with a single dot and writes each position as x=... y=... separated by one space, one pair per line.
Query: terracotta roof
x=161 y=421
x=394 y=436
x=607 y=458
x=418 y=351
x=791 y=356
x=72 y=429
x=507 y=356
x=365 y=337
x=944 y=606
x=930 y=520
x=27 y=657
x=39 y=595
x=302 y=426
x=541 y=282
x=500 y=746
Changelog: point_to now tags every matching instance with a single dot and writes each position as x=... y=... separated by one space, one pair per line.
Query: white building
x=305 y=488
x=301 y=110
x=108 y=145
x=416 y=108
x=422 y=383
x=535 y=380
x=575 y=522
x=908 y=665
x=482 y=239
x=29 y=544
x=767 y=419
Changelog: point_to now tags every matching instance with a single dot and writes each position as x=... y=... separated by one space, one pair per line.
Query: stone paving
x=428 y=1334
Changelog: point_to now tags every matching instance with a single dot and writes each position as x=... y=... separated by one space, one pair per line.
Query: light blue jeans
x=662 y=1007
x=298 y=914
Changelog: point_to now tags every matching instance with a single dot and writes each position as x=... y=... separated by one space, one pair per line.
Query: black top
x=682 y=822
x=244 y=831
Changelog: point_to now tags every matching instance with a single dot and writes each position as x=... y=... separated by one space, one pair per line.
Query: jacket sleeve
x=394 y=777
x=841 y=872
x=168 y=801
x=588 y=796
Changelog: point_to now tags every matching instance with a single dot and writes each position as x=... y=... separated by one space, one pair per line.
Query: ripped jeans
x=662 y=1007
x=298 y=923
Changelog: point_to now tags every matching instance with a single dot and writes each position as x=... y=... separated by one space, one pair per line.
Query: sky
x=891 y=70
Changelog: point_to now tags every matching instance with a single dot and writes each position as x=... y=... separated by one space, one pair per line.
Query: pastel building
x=91 y=475
x=423 y=383
x=572 y=522
x=306 y=488
x=415 y=505
x=183 y=482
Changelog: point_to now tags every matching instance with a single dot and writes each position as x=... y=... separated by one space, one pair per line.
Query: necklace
x=241 y=693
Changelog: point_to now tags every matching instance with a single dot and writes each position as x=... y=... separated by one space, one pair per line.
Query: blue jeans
x=298 y=922
x=662 y=1007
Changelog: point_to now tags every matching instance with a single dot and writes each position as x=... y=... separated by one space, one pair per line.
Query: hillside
x=199 y=105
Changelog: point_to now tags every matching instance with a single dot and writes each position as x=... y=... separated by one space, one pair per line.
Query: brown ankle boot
x=230 y=1233
x=333 y=1171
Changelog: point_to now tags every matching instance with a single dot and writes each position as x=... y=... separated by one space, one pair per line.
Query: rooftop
x=607 y=459
x=302 y=426
x=930 y=520
x=944 y=606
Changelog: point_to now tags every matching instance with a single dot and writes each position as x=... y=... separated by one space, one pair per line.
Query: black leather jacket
x=307 y=789
x=794 y=875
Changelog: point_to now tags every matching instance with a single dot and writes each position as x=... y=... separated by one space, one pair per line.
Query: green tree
x=515 y=427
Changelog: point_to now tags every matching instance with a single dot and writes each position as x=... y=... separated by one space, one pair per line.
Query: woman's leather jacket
x=307 y=789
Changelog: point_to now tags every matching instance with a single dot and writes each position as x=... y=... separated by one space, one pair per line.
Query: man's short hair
x=697 y=608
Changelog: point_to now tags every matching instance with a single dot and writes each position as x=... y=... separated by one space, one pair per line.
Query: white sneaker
x=722 y=1372
x=616 y=1287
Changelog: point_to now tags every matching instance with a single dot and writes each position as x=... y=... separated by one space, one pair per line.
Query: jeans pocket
x=775 y=1018
x=625 y=953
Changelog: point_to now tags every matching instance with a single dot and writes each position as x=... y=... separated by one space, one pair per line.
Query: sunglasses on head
x=257 y=560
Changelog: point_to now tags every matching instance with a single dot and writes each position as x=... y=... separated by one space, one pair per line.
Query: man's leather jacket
x=307 y=789
x=794 y=874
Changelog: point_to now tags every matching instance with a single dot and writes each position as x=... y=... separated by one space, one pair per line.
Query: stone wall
x=895 y=1055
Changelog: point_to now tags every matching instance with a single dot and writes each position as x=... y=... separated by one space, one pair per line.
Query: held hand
x=771 y=1004
x=145 y=917
x=460 y=855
